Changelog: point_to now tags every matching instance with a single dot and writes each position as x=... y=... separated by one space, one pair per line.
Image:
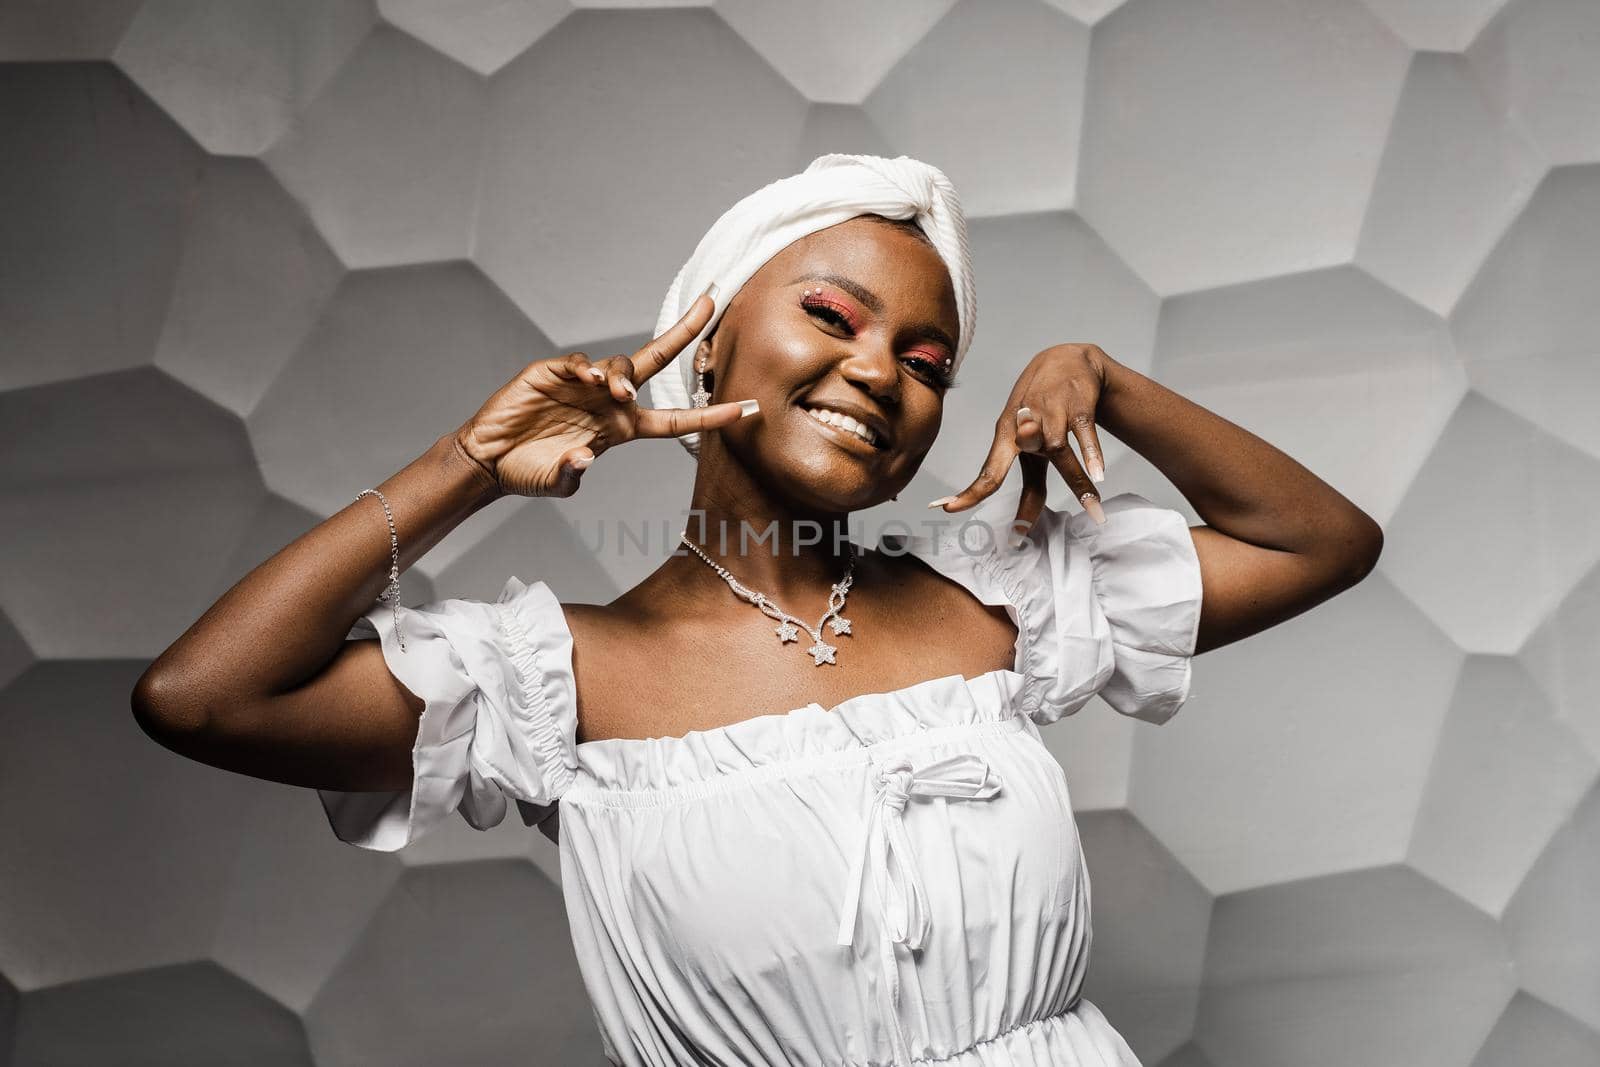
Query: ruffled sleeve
x=499 y=720
x=1112 y=609
x=1140 y=603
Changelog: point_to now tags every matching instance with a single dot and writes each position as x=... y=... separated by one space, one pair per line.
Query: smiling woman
x=720 y=799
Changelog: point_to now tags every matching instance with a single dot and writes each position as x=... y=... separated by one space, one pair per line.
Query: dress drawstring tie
x=903 y=898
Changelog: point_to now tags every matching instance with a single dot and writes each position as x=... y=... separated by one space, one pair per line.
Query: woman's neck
x=770 y=545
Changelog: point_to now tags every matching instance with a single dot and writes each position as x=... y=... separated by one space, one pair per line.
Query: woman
x=728 y=787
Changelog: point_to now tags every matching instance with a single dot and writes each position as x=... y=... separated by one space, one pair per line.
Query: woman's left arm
x=1277 y=539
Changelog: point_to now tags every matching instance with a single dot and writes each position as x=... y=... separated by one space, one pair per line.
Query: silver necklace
x=788 y=625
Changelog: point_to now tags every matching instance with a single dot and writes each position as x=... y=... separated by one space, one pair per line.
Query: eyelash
x=939 y=376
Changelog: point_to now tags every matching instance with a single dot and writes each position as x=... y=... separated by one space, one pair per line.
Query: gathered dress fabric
x=896 y=879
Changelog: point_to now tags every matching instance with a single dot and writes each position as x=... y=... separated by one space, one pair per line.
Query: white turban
x=832 y=189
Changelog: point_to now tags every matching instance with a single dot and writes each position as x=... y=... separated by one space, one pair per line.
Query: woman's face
x=874 y=344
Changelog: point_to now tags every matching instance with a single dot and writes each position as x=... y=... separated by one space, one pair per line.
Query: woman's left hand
x=1054 y=400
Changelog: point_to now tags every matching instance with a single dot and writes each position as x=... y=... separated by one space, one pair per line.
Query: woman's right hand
x=538 y=433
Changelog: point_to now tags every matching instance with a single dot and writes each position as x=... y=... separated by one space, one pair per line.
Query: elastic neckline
x=785 y=739
x=837 y=751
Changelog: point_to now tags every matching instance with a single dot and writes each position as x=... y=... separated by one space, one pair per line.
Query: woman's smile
x=852 y=434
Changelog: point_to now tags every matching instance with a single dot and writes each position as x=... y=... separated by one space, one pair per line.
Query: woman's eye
x=928 y=369
x=828 y=314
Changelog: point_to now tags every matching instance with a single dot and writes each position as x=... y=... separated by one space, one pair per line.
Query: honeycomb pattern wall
x=256 y=255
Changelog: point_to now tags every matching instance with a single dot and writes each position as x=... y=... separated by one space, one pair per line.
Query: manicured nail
x=581 y=462
x=712 y=290
x=748 y=407
x=1097 y=469
x=631 y=389
x=941 y=502
x=1019 y=533
x=1091 y=504
x=597 y=374
x=1024 y=414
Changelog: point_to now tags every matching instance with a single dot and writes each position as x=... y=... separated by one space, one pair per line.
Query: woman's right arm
x=250 y=687
x=265 y=682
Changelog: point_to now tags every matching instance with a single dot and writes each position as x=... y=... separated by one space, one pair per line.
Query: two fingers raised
x=622 y=376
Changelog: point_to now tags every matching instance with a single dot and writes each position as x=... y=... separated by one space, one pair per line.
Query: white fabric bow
x=904 y=900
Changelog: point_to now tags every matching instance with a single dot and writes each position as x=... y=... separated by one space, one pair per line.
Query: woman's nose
x=876 y=369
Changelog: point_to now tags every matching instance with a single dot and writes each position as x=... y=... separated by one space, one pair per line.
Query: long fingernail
x=597 y=374
x=712 y=290
x=941 y=501
x=748 y=407
x=1091 y=504
x=1019 y=533
x=631 y=389
x=581 y=462
x=1024 y=414
x=1097 y=470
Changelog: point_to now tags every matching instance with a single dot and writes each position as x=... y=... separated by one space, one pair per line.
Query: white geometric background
x=256 y=255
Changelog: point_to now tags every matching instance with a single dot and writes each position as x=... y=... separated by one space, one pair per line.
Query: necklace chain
x=821 y=651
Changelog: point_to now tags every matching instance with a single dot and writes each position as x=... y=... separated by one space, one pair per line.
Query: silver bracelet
x=391 y=592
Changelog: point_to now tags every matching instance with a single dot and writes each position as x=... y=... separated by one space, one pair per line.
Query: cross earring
x=700 y=397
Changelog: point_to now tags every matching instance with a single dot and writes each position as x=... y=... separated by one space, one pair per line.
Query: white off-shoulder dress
x=898 y=878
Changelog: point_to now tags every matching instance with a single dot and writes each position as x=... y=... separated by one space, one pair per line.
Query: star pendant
x=787 y=632
x=840 y=624
x=821 y=653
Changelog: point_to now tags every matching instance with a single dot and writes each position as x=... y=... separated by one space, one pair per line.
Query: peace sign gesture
x=1054 y=400
x=538 y=432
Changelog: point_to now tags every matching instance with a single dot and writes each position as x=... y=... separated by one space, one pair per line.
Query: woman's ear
x=702 y=353
x=701 y=375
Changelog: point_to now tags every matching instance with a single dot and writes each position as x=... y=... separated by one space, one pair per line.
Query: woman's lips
x=842 y=437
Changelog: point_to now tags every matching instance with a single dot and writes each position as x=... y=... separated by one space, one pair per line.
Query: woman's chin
x=820 y=473
x=823 y=483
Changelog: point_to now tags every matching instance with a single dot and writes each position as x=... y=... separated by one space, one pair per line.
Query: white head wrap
x=832 y=189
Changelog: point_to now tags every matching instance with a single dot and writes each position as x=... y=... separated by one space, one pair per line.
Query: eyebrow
x=922 y=331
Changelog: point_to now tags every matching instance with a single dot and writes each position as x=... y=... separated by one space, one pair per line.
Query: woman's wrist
x=473 y=480
x=1116 y=380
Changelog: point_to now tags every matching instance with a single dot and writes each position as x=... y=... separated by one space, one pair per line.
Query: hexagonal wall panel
x=947 y=89
x=1230 y=140
x=386 y=157
x=1352 y=380
x=89 y=265
x=235 y=73
x=608 y=87
x=169 y=472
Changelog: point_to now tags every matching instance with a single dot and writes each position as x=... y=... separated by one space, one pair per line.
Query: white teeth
x=844 y=422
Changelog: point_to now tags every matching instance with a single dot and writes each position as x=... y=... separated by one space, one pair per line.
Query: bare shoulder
x=618 y=653
x=939 y=603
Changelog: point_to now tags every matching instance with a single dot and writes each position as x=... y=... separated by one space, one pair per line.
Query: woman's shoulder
x=617 y=655
x=624 y=622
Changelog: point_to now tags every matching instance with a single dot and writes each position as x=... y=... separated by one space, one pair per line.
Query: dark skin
x=308 y=708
